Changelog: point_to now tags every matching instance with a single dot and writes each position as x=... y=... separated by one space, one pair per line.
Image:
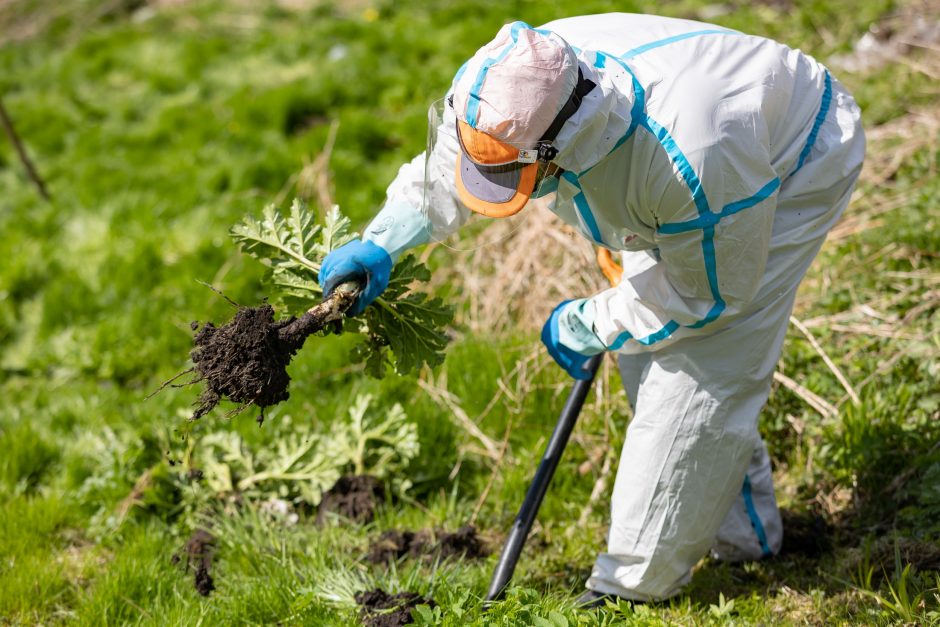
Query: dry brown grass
x=515 y=282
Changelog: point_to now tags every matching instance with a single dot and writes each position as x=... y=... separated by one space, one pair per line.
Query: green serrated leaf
x=404 y=328
x=291 y=283
x=411 y=322
x=337 y=230
x=280 y=242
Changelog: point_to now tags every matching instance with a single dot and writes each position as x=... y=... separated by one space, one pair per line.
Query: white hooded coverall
x=716 y=162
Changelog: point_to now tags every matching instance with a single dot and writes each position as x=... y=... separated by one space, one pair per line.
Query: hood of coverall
x=513 y=89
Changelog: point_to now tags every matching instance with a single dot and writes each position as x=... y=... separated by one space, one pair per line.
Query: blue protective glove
x=365 y=262
x=569 y=337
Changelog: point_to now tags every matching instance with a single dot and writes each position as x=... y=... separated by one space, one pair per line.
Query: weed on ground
x=156 y=126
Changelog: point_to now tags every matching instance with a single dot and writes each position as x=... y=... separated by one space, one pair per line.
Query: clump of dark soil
x=393 y=545
x=465 y=542
x=805 y=533
x=245 y=360
x=197 y=554
x=355 y=497
x=378 y=608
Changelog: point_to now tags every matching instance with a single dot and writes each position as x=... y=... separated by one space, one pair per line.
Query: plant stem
x=7 y=124
x=334 y=307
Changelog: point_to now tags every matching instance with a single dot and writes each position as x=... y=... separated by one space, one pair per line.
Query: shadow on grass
x=817 y=558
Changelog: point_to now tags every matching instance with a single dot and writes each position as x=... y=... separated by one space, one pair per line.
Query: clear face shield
x=497 y=189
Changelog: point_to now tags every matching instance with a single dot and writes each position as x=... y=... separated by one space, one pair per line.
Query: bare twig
x=825 y=357
x=170 y=381
x=493 y=475
x=884 y=367
x=220 y=293
x=812 y=399
x=7 y=124
x=447 y=400
x=600 y=487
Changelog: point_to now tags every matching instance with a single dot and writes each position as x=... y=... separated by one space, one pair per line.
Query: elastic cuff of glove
x=576 y=328
x=396 y=228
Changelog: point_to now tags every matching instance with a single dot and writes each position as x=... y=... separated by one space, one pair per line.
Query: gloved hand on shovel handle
x=569 y=337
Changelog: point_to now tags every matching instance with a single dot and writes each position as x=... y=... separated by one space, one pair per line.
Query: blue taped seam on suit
x=762 y=194
x=711 y=219
x=817 y=123
x=584 y=209
x=620 y=340
x=706 y=220
x=755 y=519
x=669 y=40
x=681 y=162
x=636 y=111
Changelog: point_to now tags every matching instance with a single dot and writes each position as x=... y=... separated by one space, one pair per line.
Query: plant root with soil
x=378 y=608
x=245 y=360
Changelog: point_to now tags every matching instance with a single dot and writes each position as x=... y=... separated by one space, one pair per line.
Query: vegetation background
x=158 y=124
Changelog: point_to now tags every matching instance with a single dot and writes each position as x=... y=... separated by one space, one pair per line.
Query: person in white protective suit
x=716 y=162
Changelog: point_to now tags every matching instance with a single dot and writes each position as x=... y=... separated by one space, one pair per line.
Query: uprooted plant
x=337 y=470
x=245 y=360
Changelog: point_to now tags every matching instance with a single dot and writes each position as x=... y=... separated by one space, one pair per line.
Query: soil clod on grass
x=245 y=360
x=465 y=542
x=353 y=496
x=197 y=554
x=378 y=608
x=805 y=533
x=393 y=545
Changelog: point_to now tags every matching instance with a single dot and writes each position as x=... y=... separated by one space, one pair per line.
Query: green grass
x=158 y=128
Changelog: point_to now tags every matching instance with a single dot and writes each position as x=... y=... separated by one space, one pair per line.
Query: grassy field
x=158 y=125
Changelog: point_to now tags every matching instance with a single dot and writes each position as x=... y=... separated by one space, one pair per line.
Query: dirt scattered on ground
x=355 y=497
x=805 y=533
x=395 y=544
x=378 y=608
x=197 y=554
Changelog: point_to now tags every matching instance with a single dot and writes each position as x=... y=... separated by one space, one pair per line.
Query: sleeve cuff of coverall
x=576 y=328
x=396 y=228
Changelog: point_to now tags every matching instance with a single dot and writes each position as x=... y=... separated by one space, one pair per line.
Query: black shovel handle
x=543 y=476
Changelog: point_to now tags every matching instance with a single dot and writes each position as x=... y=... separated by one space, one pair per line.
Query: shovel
x=553 y=450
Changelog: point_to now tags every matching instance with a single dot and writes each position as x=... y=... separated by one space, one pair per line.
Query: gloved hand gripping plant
x=245 y=360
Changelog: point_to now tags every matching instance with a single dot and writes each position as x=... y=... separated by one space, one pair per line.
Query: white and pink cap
x=507 y=97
